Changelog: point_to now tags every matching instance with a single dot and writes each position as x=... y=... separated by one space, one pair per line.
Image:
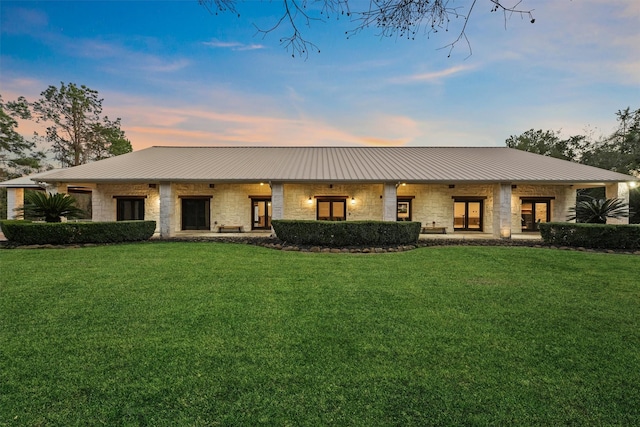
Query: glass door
x=261 y=214
x=195 y=214
x=533 y=212
x=467 y=215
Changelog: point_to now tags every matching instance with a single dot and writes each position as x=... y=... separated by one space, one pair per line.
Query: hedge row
x=597 y=236
x=62 y=233
x=347 y=233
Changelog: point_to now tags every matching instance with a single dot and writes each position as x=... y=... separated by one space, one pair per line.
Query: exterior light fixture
x=310 y=200
x=353 y=201
x=633 y=184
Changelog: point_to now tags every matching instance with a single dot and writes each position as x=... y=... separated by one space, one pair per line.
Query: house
x=496 y=191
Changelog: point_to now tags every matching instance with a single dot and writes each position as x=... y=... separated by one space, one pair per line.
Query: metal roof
x=26 y=181
x=334 y=164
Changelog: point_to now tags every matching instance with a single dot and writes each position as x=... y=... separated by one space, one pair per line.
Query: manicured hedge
x=600 y=236
x=347 y=233
x=62 y=233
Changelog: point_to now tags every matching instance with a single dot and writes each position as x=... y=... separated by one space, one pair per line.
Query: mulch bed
x=275 y=243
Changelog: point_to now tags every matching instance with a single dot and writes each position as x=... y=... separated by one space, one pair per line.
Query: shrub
x=596 y=211
x=50 y=207
x=600 y=236
x=347 y=233
x=60 y=233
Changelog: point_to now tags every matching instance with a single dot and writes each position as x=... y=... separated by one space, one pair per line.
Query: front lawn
x=205 y=334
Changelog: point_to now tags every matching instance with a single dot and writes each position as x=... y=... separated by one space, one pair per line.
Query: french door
x=261 y=214
x=533 y=212
x=467 y=215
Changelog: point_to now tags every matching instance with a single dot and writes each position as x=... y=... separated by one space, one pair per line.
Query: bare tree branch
x=393 y=18
x=215 y=6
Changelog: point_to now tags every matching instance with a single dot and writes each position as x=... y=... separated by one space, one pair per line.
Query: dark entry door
x=195 y=214
x=261 y=214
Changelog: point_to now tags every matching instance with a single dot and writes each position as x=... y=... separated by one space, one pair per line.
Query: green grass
x=209 y=334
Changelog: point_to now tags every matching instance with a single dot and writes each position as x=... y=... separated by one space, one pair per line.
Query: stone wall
x=564 y=196
x=431 y=203
x=231 y=203
x=104 y=203
x=367 y=200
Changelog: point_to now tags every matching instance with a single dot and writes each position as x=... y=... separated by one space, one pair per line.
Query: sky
x=179 y=75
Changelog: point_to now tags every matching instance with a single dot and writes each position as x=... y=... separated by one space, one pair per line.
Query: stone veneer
x=367 y=200
x=104 y=202
x=231 y=203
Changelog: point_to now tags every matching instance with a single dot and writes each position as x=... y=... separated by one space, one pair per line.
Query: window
x=195 y=213
x=404 y=209
x=331 y=209
x=467 y=214
x=534 y=211
x=130 y=208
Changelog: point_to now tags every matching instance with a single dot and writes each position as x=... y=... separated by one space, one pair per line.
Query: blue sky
x=178 y=75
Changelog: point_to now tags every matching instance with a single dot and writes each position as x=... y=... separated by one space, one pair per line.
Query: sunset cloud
x=433 y=76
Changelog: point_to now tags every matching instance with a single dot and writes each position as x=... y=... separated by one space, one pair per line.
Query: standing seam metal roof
x=347 y=164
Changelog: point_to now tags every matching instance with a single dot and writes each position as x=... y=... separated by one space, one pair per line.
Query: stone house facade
x=213 y=189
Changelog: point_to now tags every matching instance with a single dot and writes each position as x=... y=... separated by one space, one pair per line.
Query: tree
x=548 y=143
x=393 y=18
x=108 y=140
x=619 y=151
x=17 y=155
x=50 y=207
x=78 y=134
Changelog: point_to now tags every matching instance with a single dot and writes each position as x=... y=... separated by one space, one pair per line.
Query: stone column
x=15 y=199
x=502 y=210
x=167 y=210
x=98 y=208
x=564 y=201
x=619 y=190
x=389 y=202
x=277 y=200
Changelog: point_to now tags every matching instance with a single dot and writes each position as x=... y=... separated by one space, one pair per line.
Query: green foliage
x=208 y=334
x=50 y=207
x=600 y=236
x=108 y=140
x=78 y=134
x=61 y=233
x=596 y=211
x=17 y=155
x=347 y=233
x=547 y=143
x=619 y=151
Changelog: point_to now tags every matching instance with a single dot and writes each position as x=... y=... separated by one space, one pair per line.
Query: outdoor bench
x=433 y=230
x=230 y=228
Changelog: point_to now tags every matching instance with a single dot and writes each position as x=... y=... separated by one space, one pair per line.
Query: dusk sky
x=178 y=75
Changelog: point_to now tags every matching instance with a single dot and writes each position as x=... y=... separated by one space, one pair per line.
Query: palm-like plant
x=597 y=211
x=50 y=207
